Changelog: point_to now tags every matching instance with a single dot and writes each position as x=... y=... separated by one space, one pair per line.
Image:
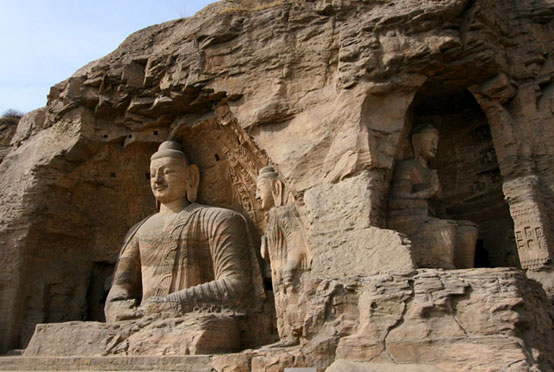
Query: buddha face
x=168 y=179
x=428 y=145
x=264 y=194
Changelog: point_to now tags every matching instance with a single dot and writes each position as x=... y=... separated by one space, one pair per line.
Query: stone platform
x=477 y=320
x=250 y=360
x=191 y=363
x=193 y=334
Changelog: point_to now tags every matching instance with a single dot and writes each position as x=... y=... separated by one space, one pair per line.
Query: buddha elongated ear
x=277 y=191
x=193 y=181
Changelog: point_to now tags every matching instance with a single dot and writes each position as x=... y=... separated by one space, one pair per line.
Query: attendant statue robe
x=289 y=253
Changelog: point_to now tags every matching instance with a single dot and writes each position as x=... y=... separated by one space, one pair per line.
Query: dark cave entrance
x=468 y=169
x=100 y=282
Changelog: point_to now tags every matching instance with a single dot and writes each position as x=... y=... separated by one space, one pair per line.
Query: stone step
x=192 y=363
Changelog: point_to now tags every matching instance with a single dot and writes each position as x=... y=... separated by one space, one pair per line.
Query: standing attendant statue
x=439 y=243
x=286 y=247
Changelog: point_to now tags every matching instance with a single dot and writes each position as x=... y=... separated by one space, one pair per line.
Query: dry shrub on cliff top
x=11 y=117
x=253 y=5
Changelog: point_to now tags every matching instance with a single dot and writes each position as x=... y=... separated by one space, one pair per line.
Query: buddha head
x=171 y=176
x=425 y=140
x=269 y=188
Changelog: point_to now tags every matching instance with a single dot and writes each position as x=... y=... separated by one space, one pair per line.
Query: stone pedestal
x=190 y=334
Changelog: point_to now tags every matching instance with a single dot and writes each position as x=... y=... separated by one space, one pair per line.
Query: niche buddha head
x=425 y=140
x=269 y=188
x=171 y=176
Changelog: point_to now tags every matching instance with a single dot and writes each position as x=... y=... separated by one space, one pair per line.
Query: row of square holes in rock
x=113 y=175
x=156 y=133
x=216 y=156
x=131 y=136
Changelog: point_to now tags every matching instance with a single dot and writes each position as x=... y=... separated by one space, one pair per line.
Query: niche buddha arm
x=226 y=235
x=126 y=287
x=410 y=182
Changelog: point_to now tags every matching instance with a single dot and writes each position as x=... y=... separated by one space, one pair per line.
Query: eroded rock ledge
x=428 y=320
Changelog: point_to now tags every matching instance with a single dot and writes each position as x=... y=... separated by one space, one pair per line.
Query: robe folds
x=204 y=257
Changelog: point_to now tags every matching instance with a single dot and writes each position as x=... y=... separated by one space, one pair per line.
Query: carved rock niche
x=102 y=185
x=98 y=191
x=228 y=161
x=467 y=166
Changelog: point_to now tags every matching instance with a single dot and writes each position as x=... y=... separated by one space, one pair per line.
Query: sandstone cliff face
x=8 y=127
x=324 y=90
x=432 y=320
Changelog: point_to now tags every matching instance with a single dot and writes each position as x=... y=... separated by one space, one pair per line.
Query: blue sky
x=45 y=41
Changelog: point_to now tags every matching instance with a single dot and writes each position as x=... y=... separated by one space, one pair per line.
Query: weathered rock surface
x=461 y=320
x=327 y=92
x=429 y=320
x=345 y=366
x=7 y=131
x=473 y=320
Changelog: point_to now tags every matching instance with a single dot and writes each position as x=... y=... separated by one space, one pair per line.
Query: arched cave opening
x=468 y=168
x=104 y=189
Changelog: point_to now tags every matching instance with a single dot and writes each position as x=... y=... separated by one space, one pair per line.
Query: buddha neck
x=424 y=162
x=175 y=206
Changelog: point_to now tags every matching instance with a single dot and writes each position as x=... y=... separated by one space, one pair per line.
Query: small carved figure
x=437 y=242
x=285 y=246
x=185 y=256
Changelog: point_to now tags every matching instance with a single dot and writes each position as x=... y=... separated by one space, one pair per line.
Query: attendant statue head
x=425 y=140
x=172 y=178
x=269 y=188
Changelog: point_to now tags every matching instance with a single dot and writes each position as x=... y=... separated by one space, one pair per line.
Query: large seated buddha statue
x=186 y=280
x=437 y=242
x=186 y=255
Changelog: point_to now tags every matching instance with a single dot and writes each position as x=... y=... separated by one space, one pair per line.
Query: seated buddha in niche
x=440 y=243
x=187 y=255
x=187 y=280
